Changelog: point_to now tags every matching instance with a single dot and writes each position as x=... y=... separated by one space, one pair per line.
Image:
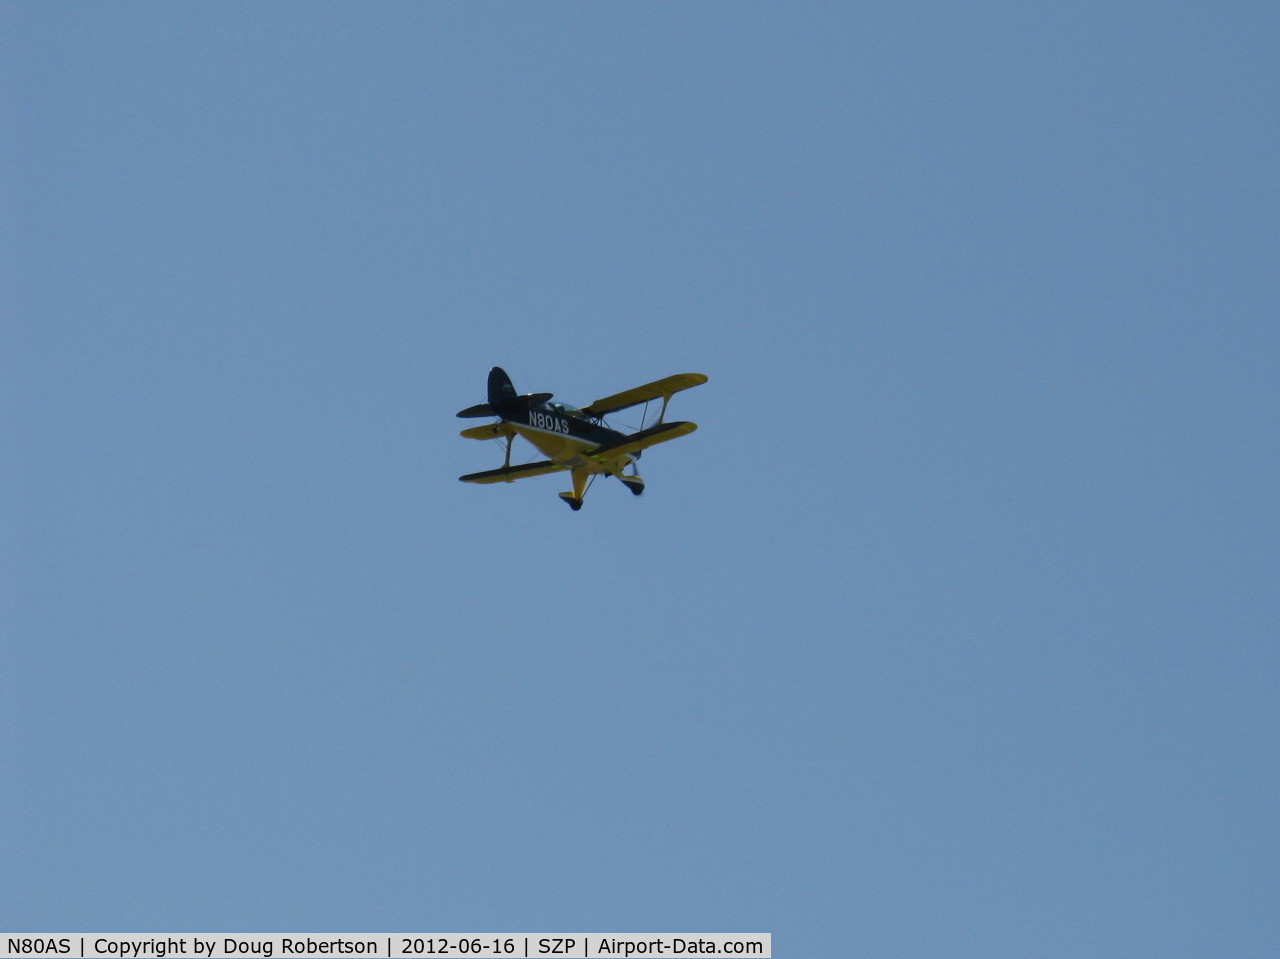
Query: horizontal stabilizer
x=642 y=394
x=480 y=409
x=644 y=439
x=507 y=474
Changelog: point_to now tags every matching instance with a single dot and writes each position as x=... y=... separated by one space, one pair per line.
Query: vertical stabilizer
x=501 y=390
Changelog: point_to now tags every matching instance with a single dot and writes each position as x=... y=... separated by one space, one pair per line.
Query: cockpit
x=566 y=410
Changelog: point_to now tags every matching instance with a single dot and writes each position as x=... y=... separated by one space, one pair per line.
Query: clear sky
x=951 y=632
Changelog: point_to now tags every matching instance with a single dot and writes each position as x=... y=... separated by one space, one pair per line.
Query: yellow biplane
x=574 y=439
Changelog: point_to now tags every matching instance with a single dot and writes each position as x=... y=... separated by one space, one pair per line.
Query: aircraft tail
x=503 y=399
x=501 y=390
x=501 y=396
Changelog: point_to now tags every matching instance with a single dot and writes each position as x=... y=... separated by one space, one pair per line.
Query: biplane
x=573 y=439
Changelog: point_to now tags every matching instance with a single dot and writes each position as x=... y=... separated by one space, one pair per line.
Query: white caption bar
x=488 y=945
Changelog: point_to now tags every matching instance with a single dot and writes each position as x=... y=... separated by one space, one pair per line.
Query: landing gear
x=574 y=499
x=582 y=481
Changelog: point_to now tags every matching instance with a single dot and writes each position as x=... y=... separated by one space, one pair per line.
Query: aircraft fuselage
x=561 y=436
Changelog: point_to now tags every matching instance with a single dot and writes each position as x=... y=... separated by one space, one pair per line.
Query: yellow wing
x=641 y=394
x=487 y=432
x=644 y=439
x=507 y=474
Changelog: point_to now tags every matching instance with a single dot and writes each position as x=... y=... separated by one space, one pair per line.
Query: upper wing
x=488 y=432
x=644 y=439
x=641 y=394
x=505 y=474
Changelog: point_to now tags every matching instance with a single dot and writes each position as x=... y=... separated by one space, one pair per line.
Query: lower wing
x=507 y=474
x=644 y=439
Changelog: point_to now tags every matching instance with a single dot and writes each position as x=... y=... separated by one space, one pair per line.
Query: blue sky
x=952 y=631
